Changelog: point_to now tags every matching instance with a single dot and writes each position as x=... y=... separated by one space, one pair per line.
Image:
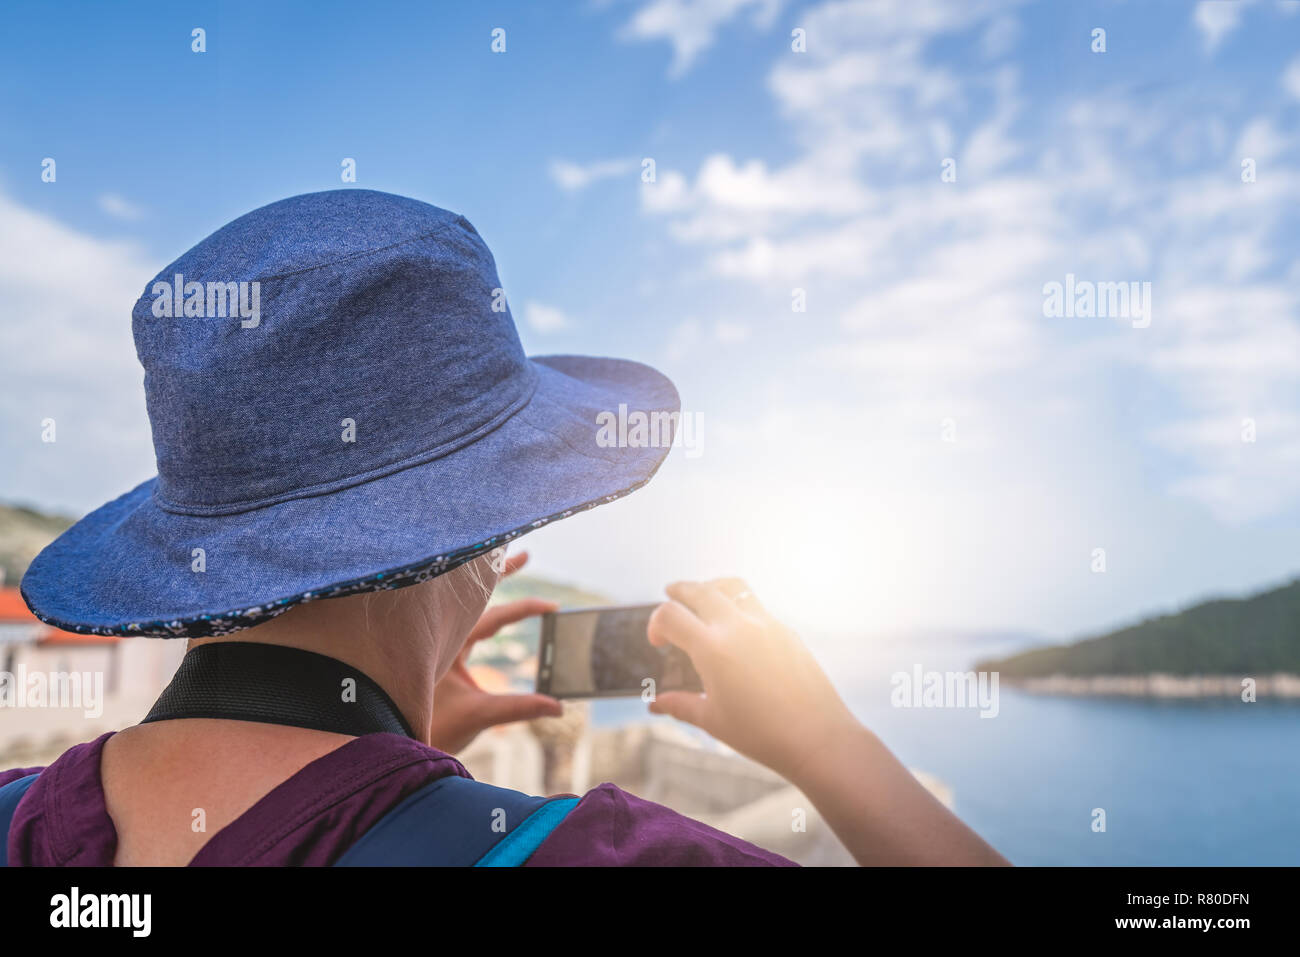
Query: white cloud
x=668 y=193
x=937 y=287
x=690 y=336
x=120 y=208
x=1291 y=78
x=1216 y=19
x=842 y=251
x=1000 y=37
x=546 y=319
x=691 y=26
x=1260 y=140
x=69 y=355
x=730 y=201
x=575 y=176
x=730 y=333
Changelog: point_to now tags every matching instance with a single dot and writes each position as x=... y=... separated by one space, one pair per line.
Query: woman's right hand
x=764 y=693
x=767 y=697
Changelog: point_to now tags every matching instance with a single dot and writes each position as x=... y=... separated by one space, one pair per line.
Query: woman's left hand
x=461 y=709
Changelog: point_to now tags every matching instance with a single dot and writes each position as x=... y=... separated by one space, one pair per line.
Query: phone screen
x=604 y=653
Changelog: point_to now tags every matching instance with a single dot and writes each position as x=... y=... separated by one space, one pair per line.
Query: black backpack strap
x=459 y=822
x=10 y=795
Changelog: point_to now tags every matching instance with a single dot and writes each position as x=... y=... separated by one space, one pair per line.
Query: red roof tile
x=56 y=636
x=13 y=610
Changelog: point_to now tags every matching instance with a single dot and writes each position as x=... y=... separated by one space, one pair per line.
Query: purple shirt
x=318 y=813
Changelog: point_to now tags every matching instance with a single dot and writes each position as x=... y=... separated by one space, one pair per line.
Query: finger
x=684 y=706
x=708 y=602
x=498 y=616
x=671 y=623
x=514 y=563
x=737 y=589
x=504 y=708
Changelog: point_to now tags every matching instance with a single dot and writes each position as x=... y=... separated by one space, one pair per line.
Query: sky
x=922 y=446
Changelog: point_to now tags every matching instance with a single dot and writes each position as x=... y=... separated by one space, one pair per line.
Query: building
x=58 y=688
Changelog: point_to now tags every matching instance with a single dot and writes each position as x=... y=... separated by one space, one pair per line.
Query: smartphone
x=604 y=653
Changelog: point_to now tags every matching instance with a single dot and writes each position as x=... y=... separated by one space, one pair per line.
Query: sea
x=1176 y=782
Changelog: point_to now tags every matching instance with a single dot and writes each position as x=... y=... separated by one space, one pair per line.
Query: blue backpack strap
x=10 y=795
x=459 y=822
x=517 y=846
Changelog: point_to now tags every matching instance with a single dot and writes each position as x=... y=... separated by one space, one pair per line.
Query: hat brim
x=127 y=567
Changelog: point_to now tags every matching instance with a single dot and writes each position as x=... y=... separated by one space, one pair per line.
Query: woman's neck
x=392 y=642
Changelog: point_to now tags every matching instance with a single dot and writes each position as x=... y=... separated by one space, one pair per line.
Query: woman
x=347 y=435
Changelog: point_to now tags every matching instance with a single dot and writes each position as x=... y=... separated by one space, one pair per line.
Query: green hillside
x=516 y=642
x=524 y=585
x=23 y=533
x=1255 y=635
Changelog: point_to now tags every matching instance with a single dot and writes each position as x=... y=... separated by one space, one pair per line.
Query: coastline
x=1158 y=685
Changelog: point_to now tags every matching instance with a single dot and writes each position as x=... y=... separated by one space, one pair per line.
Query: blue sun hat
x=339 y=403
